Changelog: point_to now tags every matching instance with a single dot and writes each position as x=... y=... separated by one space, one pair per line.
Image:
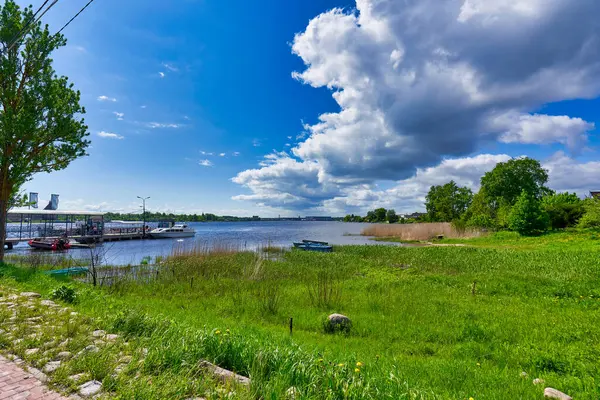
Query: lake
x=243 y=235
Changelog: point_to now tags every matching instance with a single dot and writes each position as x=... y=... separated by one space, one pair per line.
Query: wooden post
x=291 y=325
x=473 y=288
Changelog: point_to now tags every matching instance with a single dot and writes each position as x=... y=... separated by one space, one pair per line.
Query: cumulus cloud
x=205 y=163
x=106 y=98
x=161 y=74
x=566 y=174
x=119 y=115
x=421 y=81
x=110 y=135
x=546 y=129
x=221 y=154
x=157 y=125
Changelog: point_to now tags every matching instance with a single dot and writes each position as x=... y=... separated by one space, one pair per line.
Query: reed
x=424 y=231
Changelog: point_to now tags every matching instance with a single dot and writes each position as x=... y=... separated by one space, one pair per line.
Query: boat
x=313 y=245
x=68 y=271
x=173 y=232
x=50 y=244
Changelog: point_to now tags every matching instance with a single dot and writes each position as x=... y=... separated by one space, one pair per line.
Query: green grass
x=418 y=329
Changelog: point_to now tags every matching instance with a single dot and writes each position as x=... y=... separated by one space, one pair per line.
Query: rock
x=30 y=352
x=30 y=295
x=538 y=381
x=99 y=333
x=225 y=375
x=111 y=337
x=13 y=297
x=99 y=342
x=90 y=388
x=292 y=393
x=48 y=303
x=91 y=349
x=64 y=355
x=120 y=368
x=78 y=377
x=73 y=313
x=552 y=393
x=338 y=323
x=39 y=375
x=51 y=366
x=64 y=343
x=524 y=374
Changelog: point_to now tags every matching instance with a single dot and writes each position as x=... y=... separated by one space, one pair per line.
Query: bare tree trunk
x=3 y=211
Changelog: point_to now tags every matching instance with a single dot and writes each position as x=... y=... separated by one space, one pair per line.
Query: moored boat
x=176 y=231
x=313 y=245
x=50 y=244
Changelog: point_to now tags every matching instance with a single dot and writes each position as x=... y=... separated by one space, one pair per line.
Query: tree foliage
x=391 y=216
x=504 y=184
x=527 y=216
x=445 y=203
x=40 y=125
x=564 y=209
x=591 y=218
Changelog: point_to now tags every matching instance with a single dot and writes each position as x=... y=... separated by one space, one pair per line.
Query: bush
x=527 y=216
x=65 y=293
x=564 y=209
x=591 y=218
x=481 y=221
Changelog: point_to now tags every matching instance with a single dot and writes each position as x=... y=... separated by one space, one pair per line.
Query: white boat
x=175 y=231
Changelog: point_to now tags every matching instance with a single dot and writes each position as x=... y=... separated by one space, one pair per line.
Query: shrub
x=481 y=221
x=65 y=293
x=527 y=216
x=564 y=209
x=591 y=218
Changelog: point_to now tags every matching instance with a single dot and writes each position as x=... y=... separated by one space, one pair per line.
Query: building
x=317 y=218
x=595 y=194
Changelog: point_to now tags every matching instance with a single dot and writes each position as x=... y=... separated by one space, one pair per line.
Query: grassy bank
x=420 y=231
x=448 y=323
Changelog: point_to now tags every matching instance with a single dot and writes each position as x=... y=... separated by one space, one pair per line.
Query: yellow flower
x=356 y=370
x=470 y=398
x=359 y=364
x=217 y=332
x=340 y=365
x=320 y=360
x=479 y=365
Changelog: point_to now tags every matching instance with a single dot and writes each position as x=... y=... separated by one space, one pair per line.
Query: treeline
x=512 y=196
x=150 y=216
x=381 y=215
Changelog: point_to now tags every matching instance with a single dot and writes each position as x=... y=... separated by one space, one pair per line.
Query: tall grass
x=423 y=231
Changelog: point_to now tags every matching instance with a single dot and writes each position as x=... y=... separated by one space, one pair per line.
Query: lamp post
x=143 y=215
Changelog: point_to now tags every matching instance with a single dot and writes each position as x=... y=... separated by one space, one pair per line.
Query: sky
x=322 y=107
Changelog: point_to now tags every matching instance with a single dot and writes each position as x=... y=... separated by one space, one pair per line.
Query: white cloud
x=546 y=129
x=109 y=135
x=161 y=74
x=206 y=153
x=170 y=67
x=157 y=125
x=256 y=143
x=106 y=98
x=119 y=115
x=421 y=81
x=144 y=106
x=566 y=174
x=205 y=163
x=235 y=153
x=221 y=154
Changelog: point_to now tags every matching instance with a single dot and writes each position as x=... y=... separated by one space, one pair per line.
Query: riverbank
x=435 y=322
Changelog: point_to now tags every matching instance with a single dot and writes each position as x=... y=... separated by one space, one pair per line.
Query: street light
x=143 y=215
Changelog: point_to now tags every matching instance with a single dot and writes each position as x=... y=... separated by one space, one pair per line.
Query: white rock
x=524 y=374
x=225 y=375
x=339 y=322
x=63 y=355
x=90 y=388
x=552 y=393
x=30 y=295
x=91 y=349
x=30 y=352
x=52 y=366
x=538 y=381
x=99 y=333
x=48 y=303
x=111 y=337
x=78 y=377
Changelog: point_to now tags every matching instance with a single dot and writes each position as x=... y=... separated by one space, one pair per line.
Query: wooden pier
x=109 y=237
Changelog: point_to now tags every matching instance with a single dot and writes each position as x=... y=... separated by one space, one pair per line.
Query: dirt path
x=18 y=384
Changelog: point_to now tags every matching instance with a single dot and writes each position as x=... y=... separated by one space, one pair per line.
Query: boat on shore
x=314 y=245
x=50 y=244
x=173 y=232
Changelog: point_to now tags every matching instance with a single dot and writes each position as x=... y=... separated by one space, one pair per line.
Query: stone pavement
x=16 y=384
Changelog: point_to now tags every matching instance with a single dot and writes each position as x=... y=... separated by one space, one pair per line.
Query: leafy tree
x=380 y=214
x=505 y=183
x=564 y=209
x=391 y=216
x=527 y=216
x=591 y=218
x=371 y=217
x=40 y=125
x=448 y=202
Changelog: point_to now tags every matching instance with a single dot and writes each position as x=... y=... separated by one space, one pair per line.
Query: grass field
x=428 y=323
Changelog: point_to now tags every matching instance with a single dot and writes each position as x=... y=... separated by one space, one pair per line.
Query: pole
x=143 y=215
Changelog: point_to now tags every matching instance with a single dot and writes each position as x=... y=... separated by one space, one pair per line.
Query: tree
x=591 y=218
x=391 y=216
x=448 y=202
x=527 y=216
x=505 y=183
x=564 y=209
x=380 y=214
x=40 y=125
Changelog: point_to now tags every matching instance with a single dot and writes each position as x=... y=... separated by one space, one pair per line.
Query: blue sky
x=185 y=99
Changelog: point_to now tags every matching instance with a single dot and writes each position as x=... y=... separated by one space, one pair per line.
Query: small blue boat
x=68 y=271
x=313 y=245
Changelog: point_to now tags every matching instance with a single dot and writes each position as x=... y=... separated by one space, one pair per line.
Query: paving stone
x=30 y=295
x=30 y=352
x=90 y=388
x=64 y=355
x=48 y=303
x=111 y=337
x=51 y=366
x=99 y=333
